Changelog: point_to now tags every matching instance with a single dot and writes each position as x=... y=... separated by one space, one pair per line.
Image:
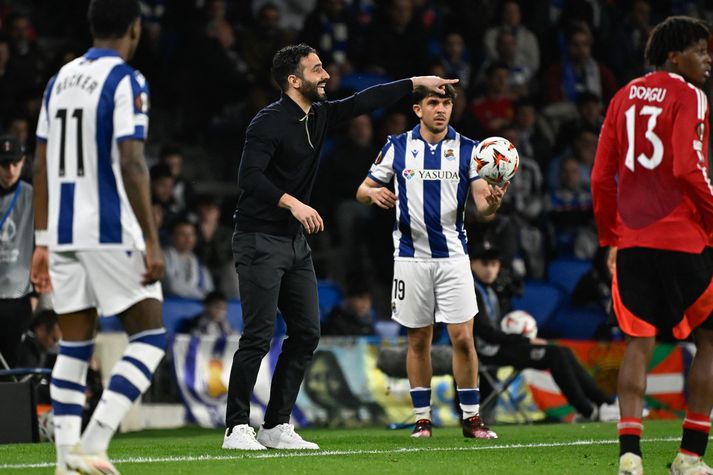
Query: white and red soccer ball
x=519 y=322
x=496 y=160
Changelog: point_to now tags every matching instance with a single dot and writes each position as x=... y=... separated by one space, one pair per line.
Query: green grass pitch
x=528 y=449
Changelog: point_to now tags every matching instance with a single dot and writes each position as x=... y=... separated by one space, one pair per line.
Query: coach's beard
x=310 y=90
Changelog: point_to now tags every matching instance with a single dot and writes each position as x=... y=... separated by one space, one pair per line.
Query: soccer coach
x=272 y=257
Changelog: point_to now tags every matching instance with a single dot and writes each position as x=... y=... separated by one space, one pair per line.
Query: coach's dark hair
x=422 y=92
x=110 y=19
x=287 y=62
x=674 y=34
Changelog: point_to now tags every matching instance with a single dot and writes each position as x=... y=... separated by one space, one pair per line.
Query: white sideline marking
x=322 y=453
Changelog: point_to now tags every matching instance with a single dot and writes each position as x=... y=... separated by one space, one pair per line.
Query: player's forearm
x=363 y=194
x=39 y=185
x=136 y=179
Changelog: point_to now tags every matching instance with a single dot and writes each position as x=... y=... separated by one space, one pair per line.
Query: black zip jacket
x=281 y=154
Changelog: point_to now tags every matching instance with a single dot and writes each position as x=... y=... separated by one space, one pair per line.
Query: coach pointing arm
x=283 y=142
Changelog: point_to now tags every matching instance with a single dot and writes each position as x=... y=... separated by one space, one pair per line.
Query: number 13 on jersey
x=648 y=162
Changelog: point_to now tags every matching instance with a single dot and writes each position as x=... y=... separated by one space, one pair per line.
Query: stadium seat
x=540 y=299
x=330 y=295
x=567 y=271
x=576 y=323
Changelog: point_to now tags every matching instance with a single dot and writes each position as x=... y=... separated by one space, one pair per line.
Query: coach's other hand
x=308 y=217
x=434 y=83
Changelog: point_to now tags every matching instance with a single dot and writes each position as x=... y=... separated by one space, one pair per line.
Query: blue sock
x=421 y=399
x=469 y=401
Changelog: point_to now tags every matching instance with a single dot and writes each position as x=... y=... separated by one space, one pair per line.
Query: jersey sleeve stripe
x=370 y=175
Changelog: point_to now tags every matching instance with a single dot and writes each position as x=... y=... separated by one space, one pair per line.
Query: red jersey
x=650 y=183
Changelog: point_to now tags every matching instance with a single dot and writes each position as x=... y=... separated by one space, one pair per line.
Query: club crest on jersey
x=450 y=155
x=408 y=173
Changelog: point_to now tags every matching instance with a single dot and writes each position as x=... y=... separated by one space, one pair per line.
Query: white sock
x=67 y=390
x=129 y=379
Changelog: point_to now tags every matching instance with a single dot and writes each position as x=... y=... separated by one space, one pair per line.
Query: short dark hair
x=674 y=34
x=46 y=319
x=168 y=149
x=422 y=92
x=159 y=171
x=214 y=296
x=110 y=19
x=287 y=61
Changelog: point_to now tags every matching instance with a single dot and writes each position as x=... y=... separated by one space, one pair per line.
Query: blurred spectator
x=213 y=320
x=162 y=193
x=185 y=275
x=262 y=40
x=26 y=59
x=526 y=44
x=396 y=45
x=628 y=41
x=38 y=345
x=340 y=175
x=571 y=207
x=171 y=155
x=291 y=13
x=16 y=245
x=394 y=122
x=214 y=243
x=9 y=83
x=583 y=149
x=215 y=75
x=578 y=71
x=519 y=74
x=500 y=228
x=534 y=138
x=589 y=116
x=456 y=59
x=525 y=204
x=494 y=108
x=329 y=29
x=354 y=316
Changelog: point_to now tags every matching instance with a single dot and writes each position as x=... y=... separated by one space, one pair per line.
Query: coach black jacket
x=281 y=154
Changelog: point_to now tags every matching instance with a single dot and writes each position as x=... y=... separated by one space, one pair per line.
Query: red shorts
x=659 y=290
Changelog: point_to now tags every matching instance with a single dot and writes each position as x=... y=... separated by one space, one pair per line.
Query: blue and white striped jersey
x=431 y=183
x=93 y=103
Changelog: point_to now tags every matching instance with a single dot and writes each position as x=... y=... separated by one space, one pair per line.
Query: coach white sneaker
x=283 y=436
x=242 y=437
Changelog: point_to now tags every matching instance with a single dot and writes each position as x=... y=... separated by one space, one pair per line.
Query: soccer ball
x=520 y=322
x=496 y=160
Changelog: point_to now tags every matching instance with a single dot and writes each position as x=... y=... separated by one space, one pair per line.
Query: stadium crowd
x=539 y=73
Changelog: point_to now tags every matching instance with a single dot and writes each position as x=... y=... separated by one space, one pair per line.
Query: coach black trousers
x=274 y=272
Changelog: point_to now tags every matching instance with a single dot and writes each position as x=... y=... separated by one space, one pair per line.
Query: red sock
x=696 y=428
x=630 y=429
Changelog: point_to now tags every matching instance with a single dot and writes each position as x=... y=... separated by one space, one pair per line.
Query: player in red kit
x=653 y=202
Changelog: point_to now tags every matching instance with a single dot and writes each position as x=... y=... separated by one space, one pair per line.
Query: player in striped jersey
x=433 y=170
x=653 y=202
x=97 y=244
